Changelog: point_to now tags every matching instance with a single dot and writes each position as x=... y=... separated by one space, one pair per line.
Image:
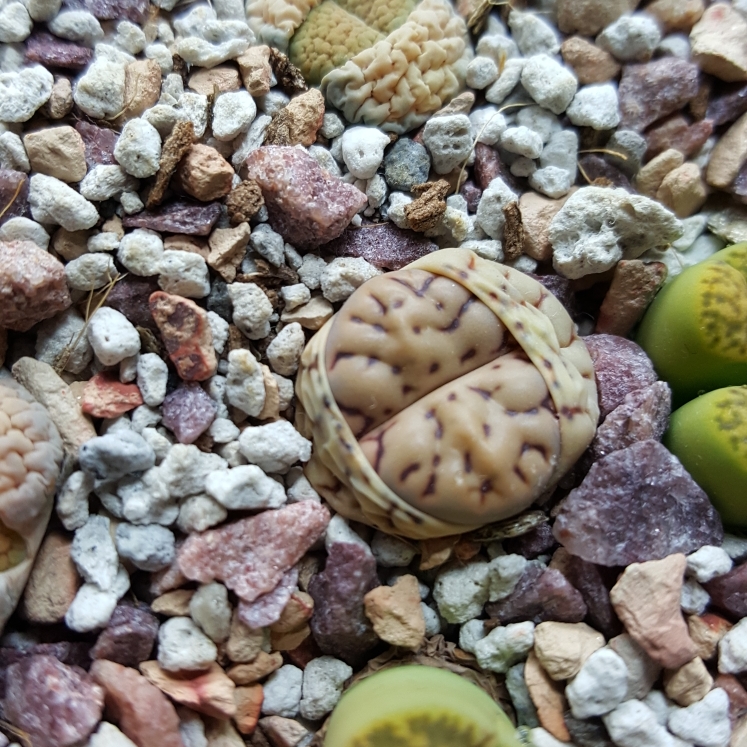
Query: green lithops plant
x=418 y=706
x=445 y=396
x=709 y=436
x=695 y=331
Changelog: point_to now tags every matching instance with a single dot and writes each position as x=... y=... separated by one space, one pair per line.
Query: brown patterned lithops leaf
x=445 y=396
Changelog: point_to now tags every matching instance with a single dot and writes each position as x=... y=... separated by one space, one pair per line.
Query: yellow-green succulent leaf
x=418 y=706
x=709 y=436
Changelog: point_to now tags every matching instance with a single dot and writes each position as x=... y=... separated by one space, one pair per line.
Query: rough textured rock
x=647 y=599
x=717 y=43
x=620 y=366
x=243 y=202
x=382 y=244
x=32 y=285
x=175 y=147
x=634 y=286
x=105 y=396
x=177 y=217
x=188 y=411
x=204 y=174
x=251 y=555
x=56 y=705
x=128 y=638
x=636 y=504
x=306 y=205
x=588 y=17
x=186 y=334
x=643 y=416
x=130 y=297
x=143 y=712
x=396 y=614
x=541 y=594
x=339 y=624
x=651 y=91
x=107 y=10
x=298 y=121
x=678 y=133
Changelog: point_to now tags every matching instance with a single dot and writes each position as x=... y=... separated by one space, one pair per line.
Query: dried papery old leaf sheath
x=429 y=427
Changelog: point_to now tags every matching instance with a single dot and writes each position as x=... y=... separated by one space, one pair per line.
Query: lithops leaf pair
x=695 y=331
x=709 y=436
x=445 y=396
x=30 y=457
x=418 y=705
x=387 y=63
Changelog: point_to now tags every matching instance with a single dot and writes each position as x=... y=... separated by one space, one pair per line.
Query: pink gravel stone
x=142 y=711
x=99 y=143
x=57 y=705
x=382 y=244
x=14 y=194
x=49 y=50
x=307 y=206
x=651 y=91
x=32 y=285
x=267 y=609
x=188 y=411
x=177 y=217
x=251 y=555
x=105 y=396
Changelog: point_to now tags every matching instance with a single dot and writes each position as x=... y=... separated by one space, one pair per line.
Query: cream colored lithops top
x=445 y=396
x=30 y=457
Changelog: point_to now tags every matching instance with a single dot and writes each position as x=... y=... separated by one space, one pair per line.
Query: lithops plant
x=418 y=705
x=709 y=436
x=30 y=457
x=445 y=396
x=694 y=331
x=381 y=62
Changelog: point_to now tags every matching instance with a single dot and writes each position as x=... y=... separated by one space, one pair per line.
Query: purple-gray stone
x=14 y=194
x=729 y=592
x=651 y=91
x=53 y=52
x=130 y=297
x=98 y=142
x=634 y=505
x=382 y=244
x=188 y=411
x=621 y=366
x=643 y=416
x=177 y=217
x=729 y=105
x=595 y=167
x=109 y=10
x=339 y=623
x=542 y=594
x=128 y=638
x=594 y=582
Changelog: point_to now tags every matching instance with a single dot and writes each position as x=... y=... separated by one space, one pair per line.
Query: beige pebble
x=57 y=152
x=396 y=614
x=651 y=175
x=646 y=598
x=688 y=684
x=562 y=648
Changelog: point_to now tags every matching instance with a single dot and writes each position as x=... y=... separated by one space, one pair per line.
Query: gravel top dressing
x=373 y=374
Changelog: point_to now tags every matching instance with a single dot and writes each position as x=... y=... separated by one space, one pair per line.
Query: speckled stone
x=99 y=143
x=54 y=52
x=188 y=411
x=177 y=217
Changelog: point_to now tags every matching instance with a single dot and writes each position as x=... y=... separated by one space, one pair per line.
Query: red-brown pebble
x=105 y=396
x=143 y=712
x=186 y=333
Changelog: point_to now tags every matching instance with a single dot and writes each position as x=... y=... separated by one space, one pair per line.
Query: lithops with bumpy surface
x=387 y=63
x=445 y=396
x=30 y=457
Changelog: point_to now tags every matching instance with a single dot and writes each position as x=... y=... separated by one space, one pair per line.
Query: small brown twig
x=12 y=199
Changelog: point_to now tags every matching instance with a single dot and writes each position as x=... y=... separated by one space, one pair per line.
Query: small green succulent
x=418 y=706
x=695 y=331
x=709 y=436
